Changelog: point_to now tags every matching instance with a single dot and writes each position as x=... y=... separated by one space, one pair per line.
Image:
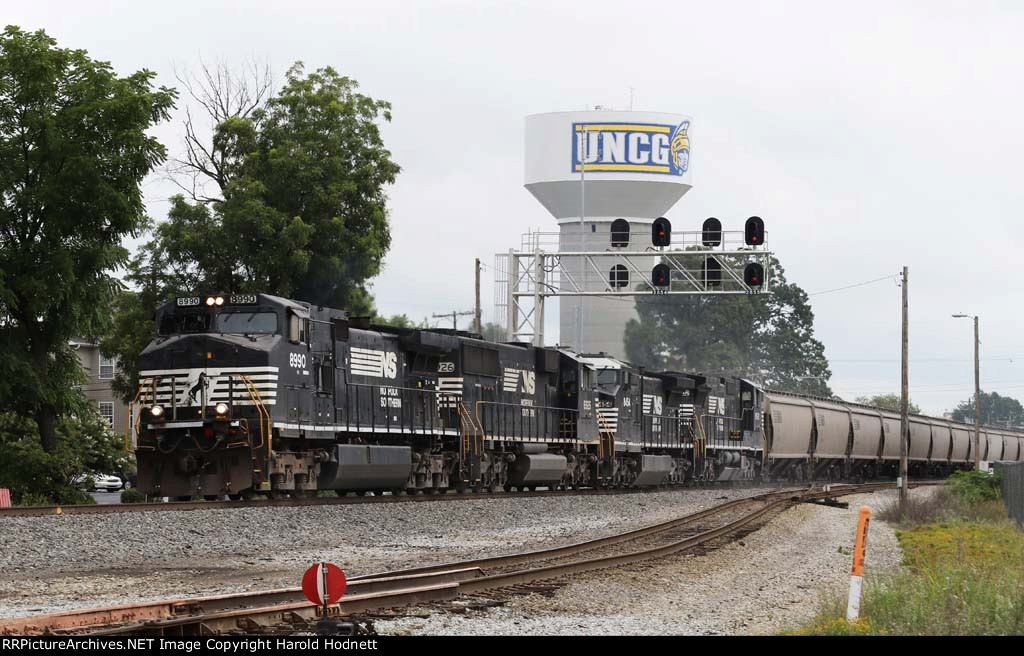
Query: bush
x=948 y=503
x=131 y=495
x=84 y=446
x=975 y=486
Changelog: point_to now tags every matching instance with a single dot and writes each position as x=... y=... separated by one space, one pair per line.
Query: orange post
x=857 y=571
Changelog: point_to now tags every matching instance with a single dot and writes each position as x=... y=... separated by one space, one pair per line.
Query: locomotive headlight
x=220 y=300
x=157 y=411
x=210 y=301
x=221 y=409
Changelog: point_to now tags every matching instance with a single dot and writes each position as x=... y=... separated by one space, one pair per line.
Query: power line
x=859 y=284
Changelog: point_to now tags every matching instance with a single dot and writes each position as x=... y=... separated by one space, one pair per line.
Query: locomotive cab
x=209 y=382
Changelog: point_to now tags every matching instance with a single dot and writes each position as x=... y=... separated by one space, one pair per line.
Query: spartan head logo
x=680 y=147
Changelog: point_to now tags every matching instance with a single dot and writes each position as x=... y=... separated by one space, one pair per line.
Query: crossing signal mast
x=708 y=262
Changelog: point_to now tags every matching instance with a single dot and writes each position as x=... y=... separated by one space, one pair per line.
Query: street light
x=977 y=393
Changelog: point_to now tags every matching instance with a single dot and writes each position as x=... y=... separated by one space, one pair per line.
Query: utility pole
x=904 y=401
x=455 y=316
x=977 y=392
x=584 y=154
x=977 y=400
x=477 y=327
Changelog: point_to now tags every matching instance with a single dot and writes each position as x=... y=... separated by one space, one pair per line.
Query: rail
x=252 y=611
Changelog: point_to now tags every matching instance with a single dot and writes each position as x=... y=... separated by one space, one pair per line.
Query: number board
x=242 y=299
x=188 y=301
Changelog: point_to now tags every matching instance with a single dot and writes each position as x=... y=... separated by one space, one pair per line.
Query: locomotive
x=251 y=393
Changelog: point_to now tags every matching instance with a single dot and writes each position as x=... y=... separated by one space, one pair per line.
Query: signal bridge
x=709 y=262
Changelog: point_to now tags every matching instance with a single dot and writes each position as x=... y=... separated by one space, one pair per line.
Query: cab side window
x=298 y=329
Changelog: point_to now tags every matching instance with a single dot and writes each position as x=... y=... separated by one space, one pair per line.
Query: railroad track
x=287 y=611
x=180 y=506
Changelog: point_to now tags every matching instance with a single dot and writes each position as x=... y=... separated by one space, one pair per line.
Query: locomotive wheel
x=235 y=497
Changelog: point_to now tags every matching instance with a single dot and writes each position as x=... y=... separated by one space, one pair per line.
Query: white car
x=105 y=482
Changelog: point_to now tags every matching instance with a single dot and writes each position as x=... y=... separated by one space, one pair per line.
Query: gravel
x=61 y=562
x=770 y=580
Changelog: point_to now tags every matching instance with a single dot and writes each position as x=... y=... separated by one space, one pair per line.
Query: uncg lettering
x=623 y=147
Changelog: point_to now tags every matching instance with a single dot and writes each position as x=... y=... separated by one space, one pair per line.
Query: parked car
x=101 y=482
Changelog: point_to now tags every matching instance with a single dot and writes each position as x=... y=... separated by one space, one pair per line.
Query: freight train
x=244 y=394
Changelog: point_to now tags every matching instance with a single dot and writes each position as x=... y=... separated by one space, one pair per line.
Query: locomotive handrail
x=603 y=430
x=261 y=410
x=466 y=418
x=151 y=382
x=675 y=425
x=534 y=429
x=128 y=419
x=431 y=422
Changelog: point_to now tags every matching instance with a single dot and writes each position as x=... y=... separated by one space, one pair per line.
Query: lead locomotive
x=250 y=393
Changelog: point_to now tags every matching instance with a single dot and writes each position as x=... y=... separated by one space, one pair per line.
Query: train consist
x=251 y=393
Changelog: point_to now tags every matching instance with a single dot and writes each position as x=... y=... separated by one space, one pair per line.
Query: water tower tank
x=634 y=166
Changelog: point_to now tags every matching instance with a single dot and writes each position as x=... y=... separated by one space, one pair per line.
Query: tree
x=395 y=320
x=766 y=337
x=493 y=332
x=996 y=410
x=85 y=444
x=888 y=402
x=301 y=210
x=287 y=197
x=73 y=154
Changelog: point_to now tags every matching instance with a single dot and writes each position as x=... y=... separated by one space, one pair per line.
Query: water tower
x=589 y=169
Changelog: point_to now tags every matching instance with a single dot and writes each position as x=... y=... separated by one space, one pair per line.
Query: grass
x=963 y=571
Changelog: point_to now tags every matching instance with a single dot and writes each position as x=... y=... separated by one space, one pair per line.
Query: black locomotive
x=252 y=393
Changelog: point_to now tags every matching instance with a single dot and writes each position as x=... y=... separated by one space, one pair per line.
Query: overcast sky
x=867 y=135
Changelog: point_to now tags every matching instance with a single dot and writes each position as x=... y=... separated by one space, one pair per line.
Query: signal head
x=753 y=231
x=661 y=276
x=661 y=232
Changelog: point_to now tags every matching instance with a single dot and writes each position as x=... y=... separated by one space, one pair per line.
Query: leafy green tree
x=888 y=402
x=300 y=209
x=996 y=410
x=396 y=320
x=85 y=444
x=493 y=332
x=286 y=197
x=74 y=150
x=766 y=337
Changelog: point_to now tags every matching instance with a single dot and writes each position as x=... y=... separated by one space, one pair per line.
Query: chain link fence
x=1013 y=488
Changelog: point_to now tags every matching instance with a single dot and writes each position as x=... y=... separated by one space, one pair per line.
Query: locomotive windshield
x=203 y=321
x=184 y=322
x=247 y=322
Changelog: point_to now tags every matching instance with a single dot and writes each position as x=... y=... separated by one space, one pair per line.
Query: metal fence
x=1013 y=488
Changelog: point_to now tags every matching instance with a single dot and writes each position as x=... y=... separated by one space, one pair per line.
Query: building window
x=107 y=412
x=106 y=367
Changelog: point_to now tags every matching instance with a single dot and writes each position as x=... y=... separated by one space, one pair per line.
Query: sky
x=869 y=136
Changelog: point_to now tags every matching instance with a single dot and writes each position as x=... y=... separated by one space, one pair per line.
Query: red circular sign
x=323 y=583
